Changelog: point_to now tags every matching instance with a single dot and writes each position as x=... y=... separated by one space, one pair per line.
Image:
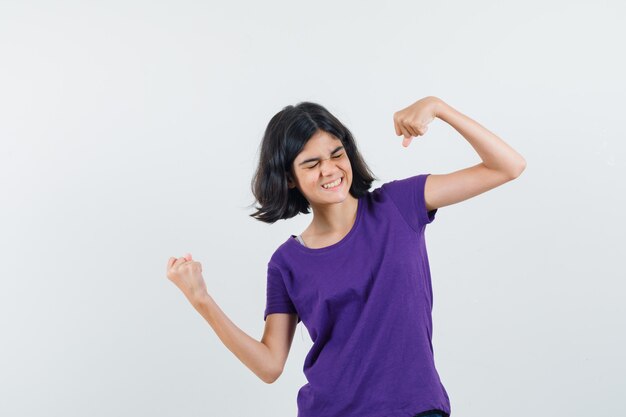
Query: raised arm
x=266 y=358
x=278 y=337
x=500 y=162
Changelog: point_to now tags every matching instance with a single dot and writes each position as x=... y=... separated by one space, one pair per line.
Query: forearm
x=495 y=153
x=252 y=353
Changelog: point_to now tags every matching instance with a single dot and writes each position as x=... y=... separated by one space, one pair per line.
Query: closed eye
x=336 y=157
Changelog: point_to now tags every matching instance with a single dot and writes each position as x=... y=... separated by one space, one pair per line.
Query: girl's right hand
x=186 y=274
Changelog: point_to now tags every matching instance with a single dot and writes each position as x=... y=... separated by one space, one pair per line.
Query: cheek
x=313 y=181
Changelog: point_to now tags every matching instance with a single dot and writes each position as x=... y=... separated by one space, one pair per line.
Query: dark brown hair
x=285 y=137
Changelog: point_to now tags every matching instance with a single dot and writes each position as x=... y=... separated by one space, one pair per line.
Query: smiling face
x=322 y=160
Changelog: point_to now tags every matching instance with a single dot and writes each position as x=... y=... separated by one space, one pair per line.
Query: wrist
x=441 y=109
x=199 y=300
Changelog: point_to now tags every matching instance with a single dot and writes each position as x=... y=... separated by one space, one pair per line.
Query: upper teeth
x=332 y=184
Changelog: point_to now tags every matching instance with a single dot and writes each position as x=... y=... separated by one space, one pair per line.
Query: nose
x=328 y=169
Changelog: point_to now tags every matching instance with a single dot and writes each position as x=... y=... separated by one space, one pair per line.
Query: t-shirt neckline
x=346 y=238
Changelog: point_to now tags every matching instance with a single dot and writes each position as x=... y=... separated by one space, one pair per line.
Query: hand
x=413 y=120
x=187 y=275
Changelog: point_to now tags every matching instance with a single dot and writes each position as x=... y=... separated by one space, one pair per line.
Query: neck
x=335 y=217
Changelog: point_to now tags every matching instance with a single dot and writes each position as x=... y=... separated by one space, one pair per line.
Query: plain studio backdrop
x=130 y=132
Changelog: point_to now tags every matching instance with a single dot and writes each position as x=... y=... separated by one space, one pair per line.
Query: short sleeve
x=278 y=300
x=408 y=196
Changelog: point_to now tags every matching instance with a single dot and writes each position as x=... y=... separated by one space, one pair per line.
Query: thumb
x=188 y=256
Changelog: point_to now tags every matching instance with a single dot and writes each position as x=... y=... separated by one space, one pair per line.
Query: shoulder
x=405 y=184
x=282 y=254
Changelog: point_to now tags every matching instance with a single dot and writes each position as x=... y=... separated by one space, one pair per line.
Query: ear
x=290 y=182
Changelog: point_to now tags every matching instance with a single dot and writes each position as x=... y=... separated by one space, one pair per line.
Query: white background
x=129 y=133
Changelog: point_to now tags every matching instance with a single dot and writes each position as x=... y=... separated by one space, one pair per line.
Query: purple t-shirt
x=366 y=302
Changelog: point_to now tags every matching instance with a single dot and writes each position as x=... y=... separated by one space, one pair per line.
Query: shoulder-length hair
x=285 y=137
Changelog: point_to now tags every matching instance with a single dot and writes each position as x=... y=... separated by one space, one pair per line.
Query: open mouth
x=336 y=184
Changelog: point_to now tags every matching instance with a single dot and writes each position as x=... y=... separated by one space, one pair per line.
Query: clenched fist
x=187 y=275
x=413 y=121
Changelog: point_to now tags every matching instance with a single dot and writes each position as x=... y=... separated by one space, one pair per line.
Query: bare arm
x=500 y=163
x=266 y=358
x=496 y=154
x=278 y=336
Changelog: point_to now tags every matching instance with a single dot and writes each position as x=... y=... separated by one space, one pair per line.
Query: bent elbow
x=271 y=377
x=521 y=166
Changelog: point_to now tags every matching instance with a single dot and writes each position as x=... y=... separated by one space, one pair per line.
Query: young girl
x=358 y=276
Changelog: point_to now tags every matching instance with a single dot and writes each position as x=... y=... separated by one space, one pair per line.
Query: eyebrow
x=338 y=148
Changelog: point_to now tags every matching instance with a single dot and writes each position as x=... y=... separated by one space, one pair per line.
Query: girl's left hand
x=413 y=120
